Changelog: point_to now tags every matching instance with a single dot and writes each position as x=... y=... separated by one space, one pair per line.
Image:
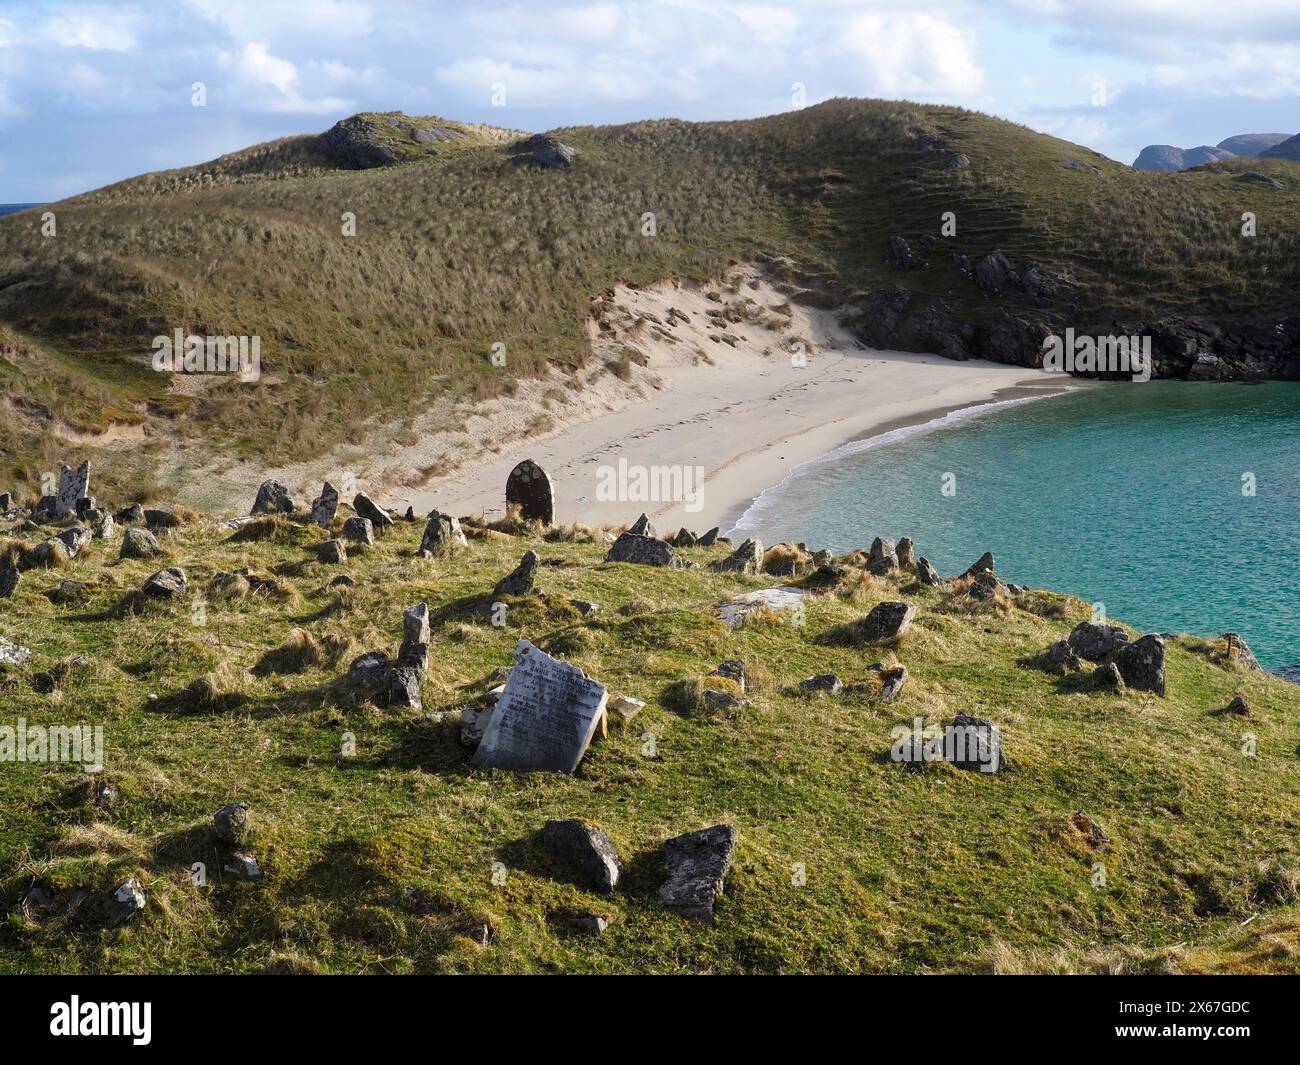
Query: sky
x=93 y=92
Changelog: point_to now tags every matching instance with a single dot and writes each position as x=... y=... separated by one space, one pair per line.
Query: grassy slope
x=458 y=249
x=905 y=870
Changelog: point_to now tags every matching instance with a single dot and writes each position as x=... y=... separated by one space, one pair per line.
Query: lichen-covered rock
x=586 y=849
x=698 y=863
x=927 y=574
x=747 y=558
x=823 y=682
x=369 y=672
x=124 y=903
x=358 y=530
x=325 y=506
x=1062 y=655
x=233 y=823
x=1095 y=640
x=520 y=580
x=975 y=744
x=1142 y=663
x=643 y=551
x=138 y=543
x=367 y=508
x=272 y=498
x=886 y=621
x=168 y=583
x=332 y=552
x=442 y=535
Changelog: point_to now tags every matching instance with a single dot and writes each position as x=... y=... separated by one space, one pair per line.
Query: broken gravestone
x=529 y=488
x=325 y=507
x=545 y=718
x=787 y=603
x=586 y=849
x=73 y=485
x=521 y=579
x=272 y=498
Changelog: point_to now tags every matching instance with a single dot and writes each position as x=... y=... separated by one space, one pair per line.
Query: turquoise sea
x=1175 y=504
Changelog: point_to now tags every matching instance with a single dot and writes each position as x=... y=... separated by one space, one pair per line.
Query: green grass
x=906 y=871
x=457 y=249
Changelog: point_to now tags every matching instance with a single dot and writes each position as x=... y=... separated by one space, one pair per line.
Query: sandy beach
x=721 y=388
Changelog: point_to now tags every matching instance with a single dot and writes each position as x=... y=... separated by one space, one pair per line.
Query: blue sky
x=94 y=92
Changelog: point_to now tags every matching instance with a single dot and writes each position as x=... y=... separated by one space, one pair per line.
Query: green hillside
x=395 y=858
x=458 y=246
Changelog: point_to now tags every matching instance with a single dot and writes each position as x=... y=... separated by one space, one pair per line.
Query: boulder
x=332 y=552
x=927 y=574
x=587 y=850
x=404 y=687
x=243 y=866
x=975 y=744
x=358 y=530
x=906 y=553
x=684 y=538
x=643 y=551
x=1108 y=675
x=233 y=823
x=369 y=509
x=1062 y=655
x=272 y=498
x=1238 y=706
x=442 y=535
x=1095 y=640
x=74 y=539
x=708 y=539
x=823 y=682
x=132 y=515
x=899 y=255
x=167 y=583
x=9 y=579
x=886 y=621
x=325 y=506
x=882 y=557
x=747 y=558
x=698 y=863
x=1238 y=648
x=1142 y=663
x=987 y=585
x=102 y=524
x=643 y=526
x=138 y=543
x=368 y=673
x=983 y=564
x=544 y=152
x=520 y=580
x=124 y=903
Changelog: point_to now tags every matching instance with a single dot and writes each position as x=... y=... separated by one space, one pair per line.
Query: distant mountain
x=1252 y=144
x=1287 y=149
x=1168 y=158
x=1247 y=145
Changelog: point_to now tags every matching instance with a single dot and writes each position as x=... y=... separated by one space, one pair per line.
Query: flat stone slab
x=545 y=718
x=734 y=611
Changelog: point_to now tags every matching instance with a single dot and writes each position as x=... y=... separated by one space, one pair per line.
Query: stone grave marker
x=529 y=488
x=545 y=718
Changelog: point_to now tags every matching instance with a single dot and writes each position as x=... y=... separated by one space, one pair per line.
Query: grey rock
x=358 y=531
x=1236 y=646
x=882 y=557
x=158 y=518
x=956 y=161
x=521 y=579
x=823 y=682
x=138 y=543
x=325 y=507
x=369 y=672
x=587 y=850
x=124 y=903
x=886 y=621
x=132 y=515
x=708 y=539
x=982 y=564
x=732 y=669
x=927 y=574
x=367 y=508
x=233 y=823
x=643 y=526
x=106 y=795
x=332 y=552
x=74 y=539
x=442 y=535
x=1087 y=168
x=415 y=624
x=9 y=579
x=1062 y=655
x=13 y=654
x=899 y=255
x=73 y=485
x=987 y=585
x=892 y=679
x=698 y=863
x=747 y=558
x=643 y=551
x=545 y=153
x=102 y=524
x=684 y=538
x=167 y=583
x=243 y=866
x=1238 y=706
x=1095 y=640
x=404 y=687
x=723 y=700
x=977 y=745
x=587 y=923
x=1108 y=676
x=1142 y=663
x=584 y=607
x=272 y=498
x=906 y=553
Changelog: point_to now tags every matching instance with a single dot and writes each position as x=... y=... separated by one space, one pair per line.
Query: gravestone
x=545 y=718
x=325 y=507
x=529 y=488
x=73 y=485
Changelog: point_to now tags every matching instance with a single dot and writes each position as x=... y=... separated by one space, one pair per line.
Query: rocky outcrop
x=643 y=551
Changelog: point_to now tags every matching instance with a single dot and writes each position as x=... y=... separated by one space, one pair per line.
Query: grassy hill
x=458 y=247
x=384 y=861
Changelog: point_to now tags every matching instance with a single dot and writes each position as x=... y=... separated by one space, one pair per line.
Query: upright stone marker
x=73 y=485
x=545 y=718
x=529 y=488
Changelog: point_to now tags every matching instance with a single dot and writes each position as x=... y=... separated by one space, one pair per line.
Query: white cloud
x=913 y=54
x=91 y=31
x=254 y=70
